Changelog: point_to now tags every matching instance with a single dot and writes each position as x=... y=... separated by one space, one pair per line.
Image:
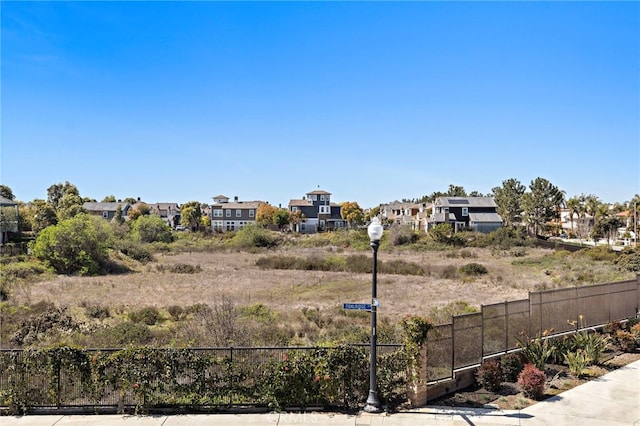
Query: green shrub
x=599 y=253
x=77 y=245
x=151 y=228
x=179 y=268
x=256 y=237
x=148 y=315
x=473 y=269
x=510 y=366
x=259 y=312
x=402 y=235
x=127 y=333
x=97 y=311
x=22 y=270
x=360 y=263
x=134 y=250
x=489 y=376
x=401 y=267
x=629 y=260
x=177 y=312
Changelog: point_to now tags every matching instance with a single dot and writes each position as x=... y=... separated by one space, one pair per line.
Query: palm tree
x=573 y=204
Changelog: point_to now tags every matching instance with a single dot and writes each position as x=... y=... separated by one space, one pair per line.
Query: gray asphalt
x=611 y=400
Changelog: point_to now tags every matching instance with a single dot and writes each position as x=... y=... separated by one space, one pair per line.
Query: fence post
x=417 y=379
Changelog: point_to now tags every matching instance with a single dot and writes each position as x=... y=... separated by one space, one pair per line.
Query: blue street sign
x=360 y=306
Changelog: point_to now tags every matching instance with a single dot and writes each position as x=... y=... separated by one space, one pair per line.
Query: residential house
x=232 y=216
x=8 y=218
x=169 y=212
x=404 y=213
x=476 y=213
x=107 y=210
x=576 y=225
x=319 y=213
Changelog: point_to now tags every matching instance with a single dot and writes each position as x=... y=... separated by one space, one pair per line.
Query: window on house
x=227 y=213
x=294 y=209
x=325 y=209
x=314 y=197
x=105 y=214
x=465 y=211
x=252 y=213
x=321 y=197
x=238 y=213
x=217 y=213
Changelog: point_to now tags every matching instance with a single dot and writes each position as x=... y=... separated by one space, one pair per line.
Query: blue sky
x=371 y=101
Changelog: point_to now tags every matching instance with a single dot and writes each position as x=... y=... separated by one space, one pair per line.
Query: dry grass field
x=234 y=275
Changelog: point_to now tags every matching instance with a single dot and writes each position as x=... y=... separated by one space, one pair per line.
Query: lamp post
x=375 y=233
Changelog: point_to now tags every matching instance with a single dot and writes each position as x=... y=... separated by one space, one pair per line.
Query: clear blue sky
x=371 y=101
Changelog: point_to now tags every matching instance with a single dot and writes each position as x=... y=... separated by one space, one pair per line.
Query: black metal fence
x=471 y=338
x=192 y=379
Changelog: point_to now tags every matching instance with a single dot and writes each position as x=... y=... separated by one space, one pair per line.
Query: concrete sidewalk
x=611 y=400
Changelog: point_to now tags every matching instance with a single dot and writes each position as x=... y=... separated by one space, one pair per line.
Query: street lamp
x=375 y=233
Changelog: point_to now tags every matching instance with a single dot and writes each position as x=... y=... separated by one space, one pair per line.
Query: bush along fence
x=147 y=380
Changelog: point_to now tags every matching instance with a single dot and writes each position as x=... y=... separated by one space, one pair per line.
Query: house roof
x=319 y=192
x=300 y=203
x=242 y=205
x=485 y=217
x=218 y=197
x=440 y=217
x=100 y=207
x=7 y=202
x=165 y=206
x=465 y=202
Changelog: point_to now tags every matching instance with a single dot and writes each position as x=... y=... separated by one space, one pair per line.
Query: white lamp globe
x=375 y=229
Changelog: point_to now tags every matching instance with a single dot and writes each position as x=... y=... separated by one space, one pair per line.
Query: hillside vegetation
x=256 y=287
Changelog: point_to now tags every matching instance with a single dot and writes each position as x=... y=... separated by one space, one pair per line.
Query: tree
x=43 y=215
x=281 y=218
x=541 y=203
x=265 y=214
x=56 y=191
x=77 y=245
x=296 y=217
x=139 y=209
x=6 y=192
x=456 y=191
x=508 y=198
x=606 y=228
x=573 y=205
x=151 y=228
x=190 y=215
x=69 y=206
x=118 y=218
x=441 y=233
x=109 y=199
x=351 y=212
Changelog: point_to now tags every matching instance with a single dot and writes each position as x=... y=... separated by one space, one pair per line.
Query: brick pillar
x=417 y=380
